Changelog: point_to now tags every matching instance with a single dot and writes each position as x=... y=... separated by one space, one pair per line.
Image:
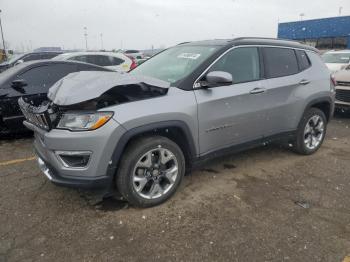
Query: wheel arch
x=325 y=104
x=177 y=131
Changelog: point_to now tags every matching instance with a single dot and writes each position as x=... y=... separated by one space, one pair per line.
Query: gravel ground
x=266 y=204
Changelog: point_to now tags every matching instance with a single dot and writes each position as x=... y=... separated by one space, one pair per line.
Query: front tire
x=150 y=171
x=311 y=132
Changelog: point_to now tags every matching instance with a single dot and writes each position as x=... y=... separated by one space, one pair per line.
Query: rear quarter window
x=303 y=60
x=280 y=62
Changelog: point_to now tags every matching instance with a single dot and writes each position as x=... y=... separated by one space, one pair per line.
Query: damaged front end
x=44 y=116
x=86 y=93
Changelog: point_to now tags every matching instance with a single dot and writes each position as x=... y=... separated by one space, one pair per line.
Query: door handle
x=304 y=82
x=258 y=90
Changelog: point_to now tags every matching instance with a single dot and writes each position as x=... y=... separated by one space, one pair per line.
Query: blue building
x=326 y=33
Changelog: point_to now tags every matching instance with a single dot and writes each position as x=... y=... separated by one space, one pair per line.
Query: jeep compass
x=139 y=132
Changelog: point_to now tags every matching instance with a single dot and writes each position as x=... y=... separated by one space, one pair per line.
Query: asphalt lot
x=237 y=208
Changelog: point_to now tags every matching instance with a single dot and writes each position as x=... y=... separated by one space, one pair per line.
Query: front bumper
x=103 y=183
x=100 y=170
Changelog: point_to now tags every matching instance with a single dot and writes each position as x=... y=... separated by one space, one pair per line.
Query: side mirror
x=18 y=85
x=218 y=78
x=20 y=61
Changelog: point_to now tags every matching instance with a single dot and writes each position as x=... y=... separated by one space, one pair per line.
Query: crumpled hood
x=86 y=85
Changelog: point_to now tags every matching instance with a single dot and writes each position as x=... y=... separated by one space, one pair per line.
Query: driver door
x=232 y=114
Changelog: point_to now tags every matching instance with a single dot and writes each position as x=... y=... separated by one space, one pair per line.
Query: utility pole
x=2 y=36
x=85 y=34
x=340 y=10
x=101 y=41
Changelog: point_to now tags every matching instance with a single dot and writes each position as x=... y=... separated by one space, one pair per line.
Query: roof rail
x=262 y=38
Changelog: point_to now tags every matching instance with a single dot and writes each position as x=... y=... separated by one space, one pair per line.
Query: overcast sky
x=140 y=24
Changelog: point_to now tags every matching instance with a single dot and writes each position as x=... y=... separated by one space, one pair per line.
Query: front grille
x=343 y=83
x=342 y=95
x=38 y=116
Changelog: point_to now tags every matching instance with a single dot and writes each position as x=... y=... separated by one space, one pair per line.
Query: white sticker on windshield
x=189 y=56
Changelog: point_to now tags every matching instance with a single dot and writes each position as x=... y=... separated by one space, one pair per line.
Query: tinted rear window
x=280 y=62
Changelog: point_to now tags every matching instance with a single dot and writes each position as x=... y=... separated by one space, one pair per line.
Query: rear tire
x=311 y=132
x=150 y=171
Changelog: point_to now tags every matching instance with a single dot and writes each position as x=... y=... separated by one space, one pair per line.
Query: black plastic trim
x=322 y=100
x=118 y=151
x=285 y=136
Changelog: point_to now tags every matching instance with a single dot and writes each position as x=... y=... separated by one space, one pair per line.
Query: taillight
x=133 y=64
x=333 y=80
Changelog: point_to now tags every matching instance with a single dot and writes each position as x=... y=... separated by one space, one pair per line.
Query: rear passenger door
x=232 y=114
x=286 y=73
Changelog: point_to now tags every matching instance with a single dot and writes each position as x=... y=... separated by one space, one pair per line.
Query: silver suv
x=139 y=132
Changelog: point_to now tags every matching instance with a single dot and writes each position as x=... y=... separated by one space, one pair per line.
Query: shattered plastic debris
x=303 y=204
x=237 y=197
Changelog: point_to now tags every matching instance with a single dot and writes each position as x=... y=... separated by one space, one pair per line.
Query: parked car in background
x=342 y=87
x=336 y=60
x=138 y=132
x=26 y=57
x=31 y=80
x=114 y=61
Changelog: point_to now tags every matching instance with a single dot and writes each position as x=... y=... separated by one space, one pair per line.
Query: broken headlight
x=82 y=121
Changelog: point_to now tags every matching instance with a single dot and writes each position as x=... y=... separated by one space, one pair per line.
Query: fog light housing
x=74 y=159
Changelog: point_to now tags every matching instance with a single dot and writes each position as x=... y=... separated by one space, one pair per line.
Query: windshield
x=175 y=63
x=336 y=58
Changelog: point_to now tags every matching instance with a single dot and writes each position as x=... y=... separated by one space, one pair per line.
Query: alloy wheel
x=314 y=132
x=155 y=173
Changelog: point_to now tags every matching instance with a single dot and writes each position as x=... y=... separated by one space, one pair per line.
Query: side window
x=115 y=60
x=48 y=55
x=80 y=58
x=243 y=63
x=31 y=57
x=100 y=60
x=280 y=62
x=45 y=76
x=303 y=60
